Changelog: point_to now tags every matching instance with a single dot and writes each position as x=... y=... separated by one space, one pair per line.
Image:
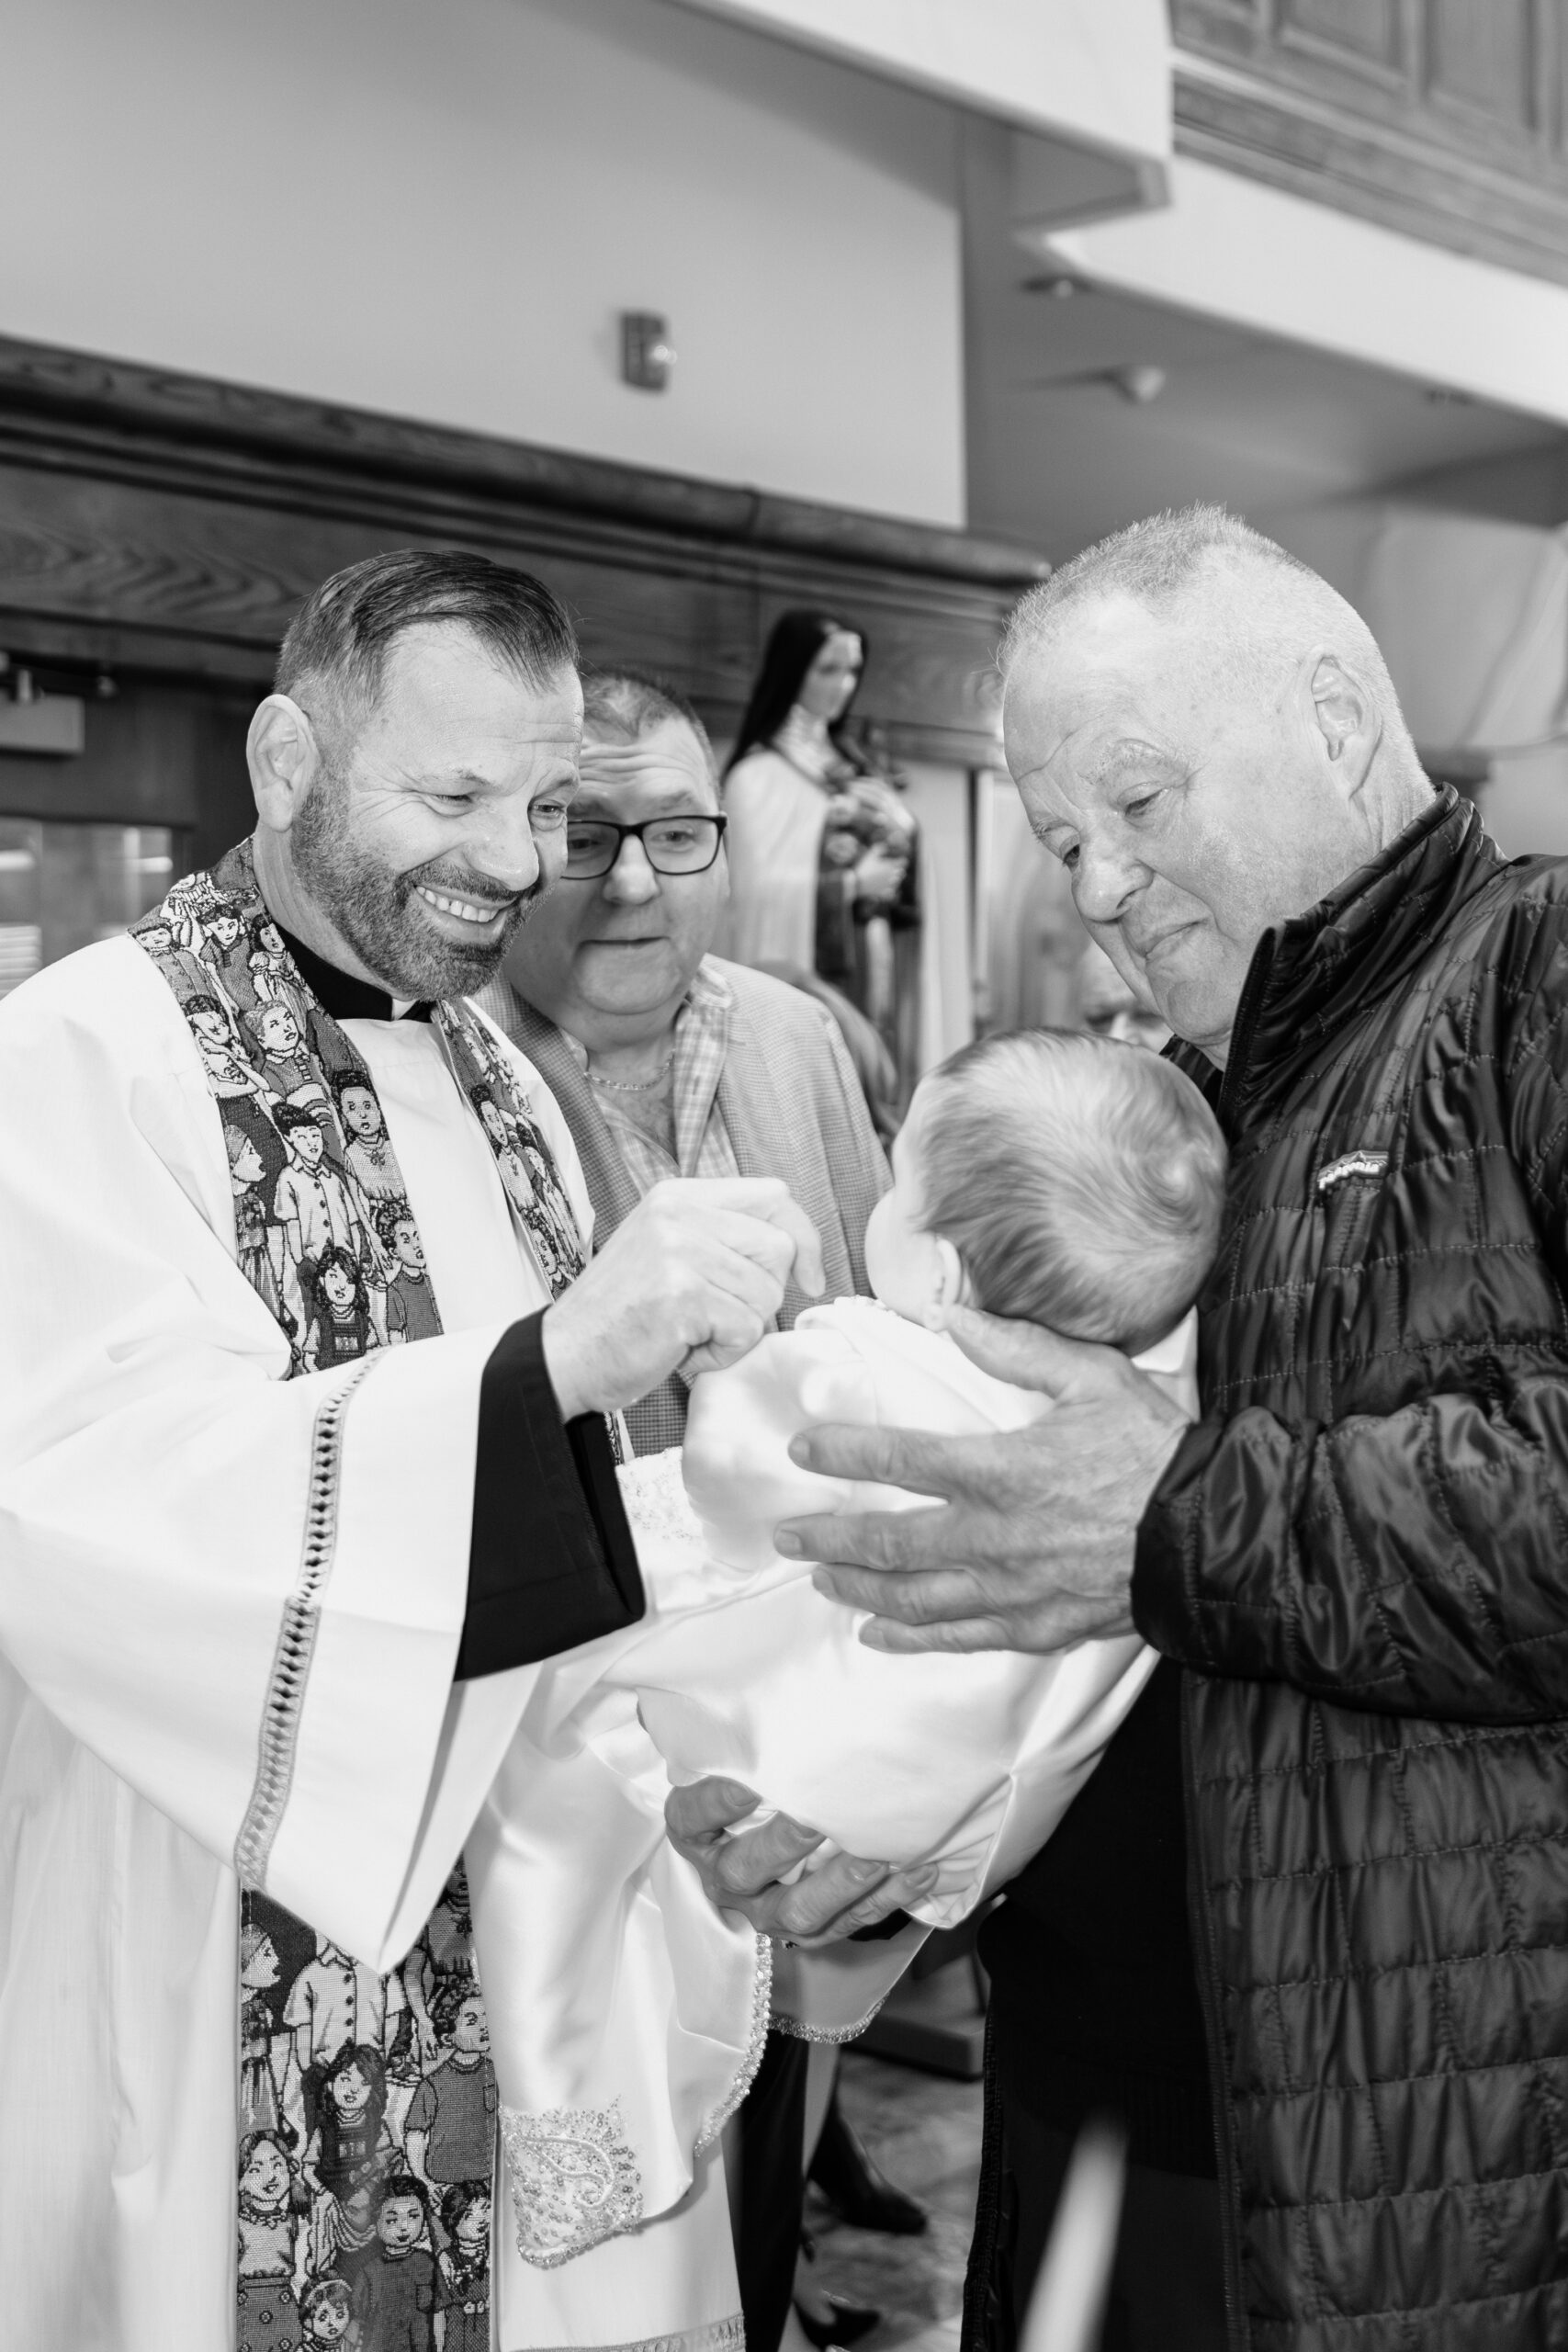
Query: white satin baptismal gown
x=643 y=2020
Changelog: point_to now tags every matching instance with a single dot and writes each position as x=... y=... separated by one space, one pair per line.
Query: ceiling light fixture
x=1141 y=384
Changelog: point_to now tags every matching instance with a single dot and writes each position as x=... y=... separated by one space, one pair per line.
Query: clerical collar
x=340 y=994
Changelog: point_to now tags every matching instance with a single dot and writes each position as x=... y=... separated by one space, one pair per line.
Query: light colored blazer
x=792 y=1107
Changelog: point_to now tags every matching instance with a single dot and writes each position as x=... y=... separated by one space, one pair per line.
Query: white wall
x=1471 y=615
x=1229 y=248
x=1526 y=804
x=940 y=798
x=1096 y=69
x=436 y=208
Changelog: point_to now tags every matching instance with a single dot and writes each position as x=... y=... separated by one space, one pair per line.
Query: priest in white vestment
x=273 y=1597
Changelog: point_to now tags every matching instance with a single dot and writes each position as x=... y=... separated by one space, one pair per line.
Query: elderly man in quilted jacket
x=1356 y=1563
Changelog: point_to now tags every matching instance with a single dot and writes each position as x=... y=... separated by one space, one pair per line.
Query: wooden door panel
x=1349 y=31
x=1480 y=55
x=1444 y=119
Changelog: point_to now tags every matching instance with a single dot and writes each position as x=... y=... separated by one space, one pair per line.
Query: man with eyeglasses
x=666 y=1060
x=669 y=1061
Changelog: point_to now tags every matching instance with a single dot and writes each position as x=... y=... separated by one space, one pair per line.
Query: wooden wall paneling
x=65 y=404
x=1236 y=28
x=1359 y=33
x=169 y=527
x=158 y=755
x=1480 y=57
x=143 y=755
x=1443 y=118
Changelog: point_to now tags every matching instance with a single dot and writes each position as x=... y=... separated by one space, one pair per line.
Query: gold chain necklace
x=635 y=1085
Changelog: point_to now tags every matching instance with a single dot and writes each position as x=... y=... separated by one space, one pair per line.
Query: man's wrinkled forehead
x=1088 y=752
x=666 y=764
x=1105 y=692
x=439 y=680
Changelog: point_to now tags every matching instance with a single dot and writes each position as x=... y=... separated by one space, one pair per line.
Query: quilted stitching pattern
x=1364 y=1550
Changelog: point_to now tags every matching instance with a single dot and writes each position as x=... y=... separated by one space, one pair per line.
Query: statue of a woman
x=823 y=849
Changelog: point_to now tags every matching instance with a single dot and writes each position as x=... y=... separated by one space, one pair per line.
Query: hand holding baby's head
x=1059 y=1178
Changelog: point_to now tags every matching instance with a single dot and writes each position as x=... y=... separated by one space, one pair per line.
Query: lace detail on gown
x=678 y=1569
x=654 y=1496
x=746 y=2074
x=574 y=2180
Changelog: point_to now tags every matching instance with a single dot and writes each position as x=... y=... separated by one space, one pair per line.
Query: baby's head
x=1060 y=1179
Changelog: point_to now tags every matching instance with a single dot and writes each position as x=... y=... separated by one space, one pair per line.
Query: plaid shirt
x=762 y=1086
x=702 y=1140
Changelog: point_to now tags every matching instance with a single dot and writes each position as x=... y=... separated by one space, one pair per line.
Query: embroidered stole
x=340 y=2069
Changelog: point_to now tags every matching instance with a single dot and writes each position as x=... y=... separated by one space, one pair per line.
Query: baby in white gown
x=1063 y=1180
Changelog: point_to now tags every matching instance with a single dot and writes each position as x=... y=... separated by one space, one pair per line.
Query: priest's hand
x=1032 y=1545
x=690 y=1281
x=743 y=1869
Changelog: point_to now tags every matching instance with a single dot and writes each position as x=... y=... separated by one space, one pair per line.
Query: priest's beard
x=377 y=910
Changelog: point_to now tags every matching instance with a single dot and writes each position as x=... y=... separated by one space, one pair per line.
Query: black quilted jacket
x=1362 y=1552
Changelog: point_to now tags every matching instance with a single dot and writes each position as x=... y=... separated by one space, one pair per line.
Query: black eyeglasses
x=670 y=845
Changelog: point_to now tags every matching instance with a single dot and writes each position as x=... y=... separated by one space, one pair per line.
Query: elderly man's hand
x=690 y=1281
x=742 y=1872
x=1033 y=1546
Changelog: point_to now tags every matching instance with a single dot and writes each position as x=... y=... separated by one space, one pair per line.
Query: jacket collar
x=1311 y=975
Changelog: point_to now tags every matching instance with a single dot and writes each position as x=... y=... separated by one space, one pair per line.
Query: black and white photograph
x=783 y=1175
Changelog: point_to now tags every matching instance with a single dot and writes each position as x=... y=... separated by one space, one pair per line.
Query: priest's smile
x=470 y=915
x=246 y=1049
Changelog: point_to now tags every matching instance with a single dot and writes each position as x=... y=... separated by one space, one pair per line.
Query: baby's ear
x=953 y=1287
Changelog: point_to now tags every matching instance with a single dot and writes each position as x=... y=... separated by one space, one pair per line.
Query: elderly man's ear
x=1348 y=720
x=283 y=757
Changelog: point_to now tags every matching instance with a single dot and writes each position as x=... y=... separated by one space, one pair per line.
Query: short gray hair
x=630 y=703
x=1170 y=557
x=633 y=702
x=339 y=643
x=1081 y=1182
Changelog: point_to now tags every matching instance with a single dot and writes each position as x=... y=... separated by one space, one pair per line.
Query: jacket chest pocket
x=1346 y=1193
x=1342 y=1304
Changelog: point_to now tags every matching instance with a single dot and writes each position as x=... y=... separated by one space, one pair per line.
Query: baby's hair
x=1080 y=1181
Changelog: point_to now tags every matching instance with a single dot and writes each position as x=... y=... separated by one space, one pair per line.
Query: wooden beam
x=171 y=524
